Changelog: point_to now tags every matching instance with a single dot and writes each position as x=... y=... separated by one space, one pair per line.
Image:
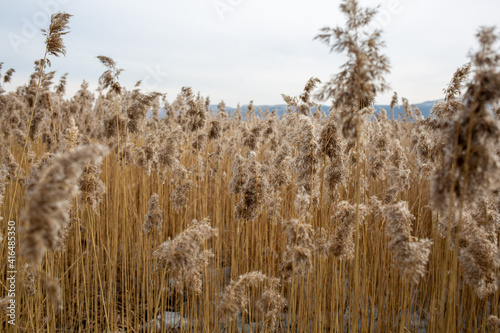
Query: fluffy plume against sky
x=240 y=50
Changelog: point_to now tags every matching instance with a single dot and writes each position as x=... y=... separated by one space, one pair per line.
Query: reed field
x=134 y=212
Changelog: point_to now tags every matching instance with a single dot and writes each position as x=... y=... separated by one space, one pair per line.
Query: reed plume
x=454 y=89
x=6 y=78
x=254 y=191
x=53 y=46
x=378 y=151
x=147 y=156
x=271 y=304
x=196 y=109
x=70 y=136
x=341 y=245
x=280 y=172
x=493 y=322
x=57 y=29
x=215 y=130
x=183 y=258
x=115 y=125
x=8 y=75
x=36 y=169
x=424 y=144
x=182 y=185
x=238 y=178
x=302 y=204
x=409 y=256
x=91 y=186
x=471 y=167
x=168 y=151
x=60 y=89
x=394 y=104
x=251 y=138
x=297 y=258
x=46 y=212
x=154 y=218
x=305 y=97
x=362 y=76
x=138 y=110
x=234 y=299
x=479 y=253
x=52 y=289
x=109 y=79
x=306 y=163
x=11 y=166
x=29 y=280
x=479 y=258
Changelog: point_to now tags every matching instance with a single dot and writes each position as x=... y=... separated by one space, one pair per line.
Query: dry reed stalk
x=46 y=212
x=470 y=152
x=354 y=89
x=473 y=133
x=53 y=45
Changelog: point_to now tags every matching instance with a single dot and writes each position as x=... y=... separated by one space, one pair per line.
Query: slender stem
x=355 y=303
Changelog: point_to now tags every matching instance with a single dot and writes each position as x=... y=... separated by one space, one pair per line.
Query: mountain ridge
x=424 y=107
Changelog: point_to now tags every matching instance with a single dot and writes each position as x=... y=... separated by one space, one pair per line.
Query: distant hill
x=424 y=107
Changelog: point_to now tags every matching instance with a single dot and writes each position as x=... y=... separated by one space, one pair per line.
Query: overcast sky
x=240 y=50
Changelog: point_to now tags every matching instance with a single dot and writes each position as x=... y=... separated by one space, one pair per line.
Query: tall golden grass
x=204 y=221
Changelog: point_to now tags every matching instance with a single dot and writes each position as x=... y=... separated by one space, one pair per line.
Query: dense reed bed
x=136 y=213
